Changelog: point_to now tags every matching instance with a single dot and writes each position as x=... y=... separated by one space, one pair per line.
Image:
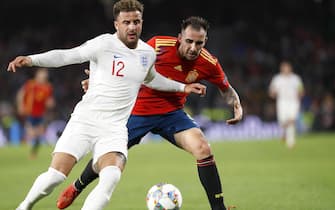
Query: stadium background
x=248 y=37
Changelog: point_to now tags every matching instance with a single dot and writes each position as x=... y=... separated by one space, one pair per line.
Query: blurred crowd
x=249 y=39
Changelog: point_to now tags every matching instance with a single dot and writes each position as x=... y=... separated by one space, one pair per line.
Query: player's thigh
x=138 y=127
x=287 y=112
x=181 y=130
x=193 y=141
x=293 y=112
x=29 y=130
x=39 y=129
x=34 y=126
x=174 y=122
x=110 y=147
x=76 y=139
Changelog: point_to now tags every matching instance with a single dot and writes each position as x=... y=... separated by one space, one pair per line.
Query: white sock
x=43 y=185
x=101 y=194
x=290 y=136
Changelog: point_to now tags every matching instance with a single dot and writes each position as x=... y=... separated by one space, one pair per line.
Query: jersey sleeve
x=63 y=57
x=90 y=49
x=157 y=81
x=218 y=77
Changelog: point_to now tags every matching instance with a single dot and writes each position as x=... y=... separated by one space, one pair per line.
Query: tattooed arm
x=231 y=97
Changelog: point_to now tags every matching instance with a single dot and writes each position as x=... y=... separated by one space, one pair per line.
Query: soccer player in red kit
x=183 y=59
x=33 y=99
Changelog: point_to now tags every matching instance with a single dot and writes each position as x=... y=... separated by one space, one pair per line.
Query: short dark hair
x=195 y=22
x=286 y=60
x=127 y=6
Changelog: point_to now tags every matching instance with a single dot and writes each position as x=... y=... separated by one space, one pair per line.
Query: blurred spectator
x=325 y=114
x=7 y=120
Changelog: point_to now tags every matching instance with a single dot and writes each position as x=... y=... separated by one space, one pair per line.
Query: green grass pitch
x=256 y=175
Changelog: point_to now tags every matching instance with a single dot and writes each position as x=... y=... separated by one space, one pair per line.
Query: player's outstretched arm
x=157 y=81
x=54 y=58
x=189 y=88
x=18 y=62
x=232 y=98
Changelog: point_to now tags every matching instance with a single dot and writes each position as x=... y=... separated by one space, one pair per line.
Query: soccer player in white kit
x=122 y=62
x=287 y=88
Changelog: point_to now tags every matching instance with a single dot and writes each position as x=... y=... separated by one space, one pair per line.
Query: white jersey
x=115 y=78
x=287 y=87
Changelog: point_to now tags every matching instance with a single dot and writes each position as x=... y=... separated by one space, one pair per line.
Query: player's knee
x=201 y=150
x=63 y=162
x=117 y=159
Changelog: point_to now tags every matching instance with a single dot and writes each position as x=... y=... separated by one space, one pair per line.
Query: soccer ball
x=164 y=196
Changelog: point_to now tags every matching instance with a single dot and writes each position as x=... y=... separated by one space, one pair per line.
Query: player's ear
x=116 y=25
x=179 y=37
x=206 y=40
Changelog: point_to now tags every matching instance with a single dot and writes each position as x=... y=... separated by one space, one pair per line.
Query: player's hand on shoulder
x=87 y=72
x=18 y=62
x=85 y=83
x=195 y=88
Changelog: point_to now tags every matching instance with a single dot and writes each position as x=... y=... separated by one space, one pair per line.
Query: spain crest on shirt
x=192 y=76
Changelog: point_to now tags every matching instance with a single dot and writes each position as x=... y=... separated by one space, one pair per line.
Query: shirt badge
x=178 y=68
x=192 y=76
x=144 y=61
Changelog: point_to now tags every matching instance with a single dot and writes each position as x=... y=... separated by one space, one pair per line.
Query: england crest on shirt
x=144 y=61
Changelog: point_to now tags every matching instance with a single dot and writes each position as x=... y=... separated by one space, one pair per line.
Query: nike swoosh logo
x=117 y=56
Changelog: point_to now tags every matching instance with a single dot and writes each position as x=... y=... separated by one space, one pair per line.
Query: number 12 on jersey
x=117 y=67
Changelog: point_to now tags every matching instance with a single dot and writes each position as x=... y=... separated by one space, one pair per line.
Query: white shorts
x=287 y=111
x=79 y=138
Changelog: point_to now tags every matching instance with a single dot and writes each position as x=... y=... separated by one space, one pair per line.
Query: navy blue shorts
x=35 y=121
x=165 y=125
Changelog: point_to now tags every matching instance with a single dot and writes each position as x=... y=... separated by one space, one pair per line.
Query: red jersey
x=169 y=64
x=35 y=97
